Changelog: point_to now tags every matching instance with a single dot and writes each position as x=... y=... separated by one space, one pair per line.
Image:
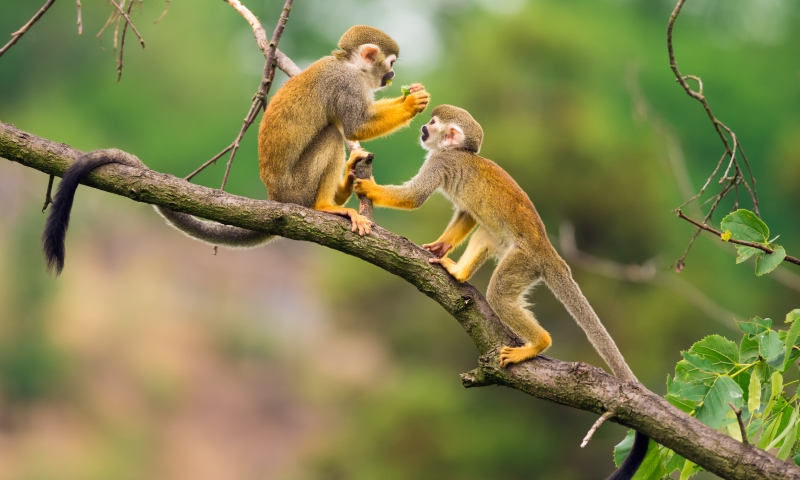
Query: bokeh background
x=150 y=357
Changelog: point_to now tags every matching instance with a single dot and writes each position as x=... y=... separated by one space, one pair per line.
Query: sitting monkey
x=508 y=229
x=300 y=142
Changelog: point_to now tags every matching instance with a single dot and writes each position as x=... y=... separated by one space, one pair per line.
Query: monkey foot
x=511 y=355
x=360 y=223
x=440 y=249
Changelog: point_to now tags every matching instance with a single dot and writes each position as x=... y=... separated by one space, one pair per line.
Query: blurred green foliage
x=297 y=362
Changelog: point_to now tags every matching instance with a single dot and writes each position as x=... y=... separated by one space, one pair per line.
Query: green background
x=150 y=357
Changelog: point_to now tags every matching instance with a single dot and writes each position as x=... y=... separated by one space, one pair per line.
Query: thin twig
x=164 y=13
x=80 y=21
x=260 y=98
x=759 y=246
x=730 y=147
x=48 y=198
x=128 y=19
x=19 y=33
x=596 y=425
x=122 y=44
x=738 y=412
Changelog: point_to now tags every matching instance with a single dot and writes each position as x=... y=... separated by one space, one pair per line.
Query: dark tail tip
x=55 y=228
x=628 y=468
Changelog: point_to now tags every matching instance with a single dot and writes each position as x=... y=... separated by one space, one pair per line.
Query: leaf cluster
x=718 y=378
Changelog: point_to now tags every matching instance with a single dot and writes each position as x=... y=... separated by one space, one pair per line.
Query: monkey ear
x=453 y=136
x=369 y=52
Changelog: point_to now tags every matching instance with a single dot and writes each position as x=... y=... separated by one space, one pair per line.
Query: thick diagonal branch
x=573 y=384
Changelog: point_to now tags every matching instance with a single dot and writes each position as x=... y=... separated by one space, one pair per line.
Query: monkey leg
x=345 y=188
x=478 y=249
x=316 y=172
x=330 y=191
x=455 y=233
x=514 y=276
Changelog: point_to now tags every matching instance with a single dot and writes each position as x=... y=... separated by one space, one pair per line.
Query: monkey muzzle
x=387 y=79
x=425 y=133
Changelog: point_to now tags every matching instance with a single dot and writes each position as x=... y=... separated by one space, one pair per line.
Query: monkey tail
x=634 y=459
x=212 y=232
x=559 y=280
x=55 y=227
x=564 y=287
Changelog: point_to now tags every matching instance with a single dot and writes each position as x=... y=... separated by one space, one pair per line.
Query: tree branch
x=573 y=384
x=19 y=33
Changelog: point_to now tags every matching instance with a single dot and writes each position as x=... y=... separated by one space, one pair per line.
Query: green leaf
x=689 y=469
x=767 y=262
x=674 y=462
x=790 y=437
x=796 y=458
x=687 y=373
x=748 y=349
x=755 y=325
x=745 y=225
x=623 y=448
x=754 y=392
x=683 y=404
x=719 y=351
x=792 y=339
x=714 y=409
x=793 y=315
x=703 y=364
x=770 y=347
x=745 y=252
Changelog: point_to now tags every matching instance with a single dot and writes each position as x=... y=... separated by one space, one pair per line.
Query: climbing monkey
x=300 y=141
x=508 y=228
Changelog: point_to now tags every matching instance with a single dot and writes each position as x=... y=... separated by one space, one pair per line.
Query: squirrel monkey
x=300 y=142
x=509 y=229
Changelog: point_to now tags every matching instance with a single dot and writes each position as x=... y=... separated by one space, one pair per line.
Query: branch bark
x=573 y=384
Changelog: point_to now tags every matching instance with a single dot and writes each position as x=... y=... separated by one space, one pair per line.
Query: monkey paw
x=364 y=186
x=511 y=355
x=449 y=265
x=418 y=101
x=415 y=87
x=440 y=249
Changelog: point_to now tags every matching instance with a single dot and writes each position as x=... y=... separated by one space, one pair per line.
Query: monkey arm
x=407 y=196
x=455 y=233
x=384 y=116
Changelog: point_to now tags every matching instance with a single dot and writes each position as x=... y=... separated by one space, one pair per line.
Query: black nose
x=425 y=130
x=389 y=75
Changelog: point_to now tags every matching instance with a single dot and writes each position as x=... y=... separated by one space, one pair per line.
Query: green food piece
x=406 y=90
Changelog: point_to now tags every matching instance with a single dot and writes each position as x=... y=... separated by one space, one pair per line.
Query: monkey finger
x=415 y=87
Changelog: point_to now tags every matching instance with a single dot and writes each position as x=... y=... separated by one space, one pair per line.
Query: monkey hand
x=357 y=156
x=440 y=249
x=417 y=100
x=366 y=187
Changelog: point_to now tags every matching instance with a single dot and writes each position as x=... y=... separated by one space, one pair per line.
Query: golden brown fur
x=507 y=227
x=301 y=138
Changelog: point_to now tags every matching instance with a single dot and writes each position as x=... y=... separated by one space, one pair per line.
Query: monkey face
x=429 y=131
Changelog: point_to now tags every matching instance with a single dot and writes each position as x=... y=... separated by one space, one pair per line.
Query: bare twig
x=260 y=102
x=80 y=21
x=128 y=19
x=19 y=33
x=742 y=429
x=260 y=98
x=596 y=425
x=731 y=147
x=759 y=246
x=164 y=13
x=122 y=44
x=48 y=198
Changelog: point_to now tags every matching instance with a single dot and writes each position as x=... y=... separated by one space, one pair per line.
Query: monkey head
x=451 y=127
x=371 y=51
